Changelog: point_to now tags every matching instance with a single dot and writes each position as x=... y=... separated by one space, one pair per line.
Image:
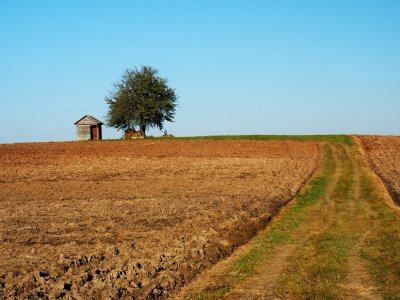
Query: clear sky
x=239 y=67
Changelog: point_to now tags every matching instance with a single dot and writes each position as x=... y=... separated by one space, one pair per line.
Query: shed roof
x=88 y=120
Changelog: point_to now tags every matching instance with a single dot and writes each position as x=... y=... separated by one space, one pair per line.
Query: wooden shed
x=88 y=128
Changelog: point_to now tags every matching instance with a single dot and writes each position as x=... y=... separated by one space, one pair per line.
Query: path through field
x=338 y=240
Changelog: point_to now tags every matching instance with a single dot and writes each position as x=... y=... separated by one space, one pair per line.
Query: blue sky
x=239 y=67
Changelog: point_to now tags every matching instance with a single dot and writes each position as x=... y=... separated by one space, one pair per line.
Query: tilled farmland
x=136 y=219
x=383 y=153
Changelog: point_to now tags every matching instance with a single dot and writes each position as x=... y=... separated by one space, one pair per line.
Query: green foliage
x=141 y=100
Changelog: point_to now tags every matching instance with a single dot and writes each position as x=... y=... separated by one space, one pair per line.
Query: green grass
x=382 y=252
x=319 y=267
x=346 y=139
x=318 y=271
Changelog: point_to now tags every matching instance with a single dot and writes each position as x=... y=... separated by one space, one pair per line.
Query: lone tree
x=141 y=99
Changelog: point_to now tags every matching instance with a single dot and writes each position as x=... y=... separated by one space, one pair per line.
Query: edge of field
x=341 y=138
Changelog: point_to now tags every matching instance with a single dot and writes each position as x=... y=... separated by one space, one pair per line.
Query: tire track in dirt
x=358 y=282
x=261 y=285
x=349 y=223
x=303 y=274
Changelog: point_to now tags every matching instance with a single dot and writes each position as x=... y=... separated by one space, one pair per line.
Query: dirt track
x=111 y=219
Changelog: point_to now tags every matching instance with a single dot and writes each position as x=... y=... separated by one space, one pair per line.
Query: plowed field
x=140 y=218
x=384 y=157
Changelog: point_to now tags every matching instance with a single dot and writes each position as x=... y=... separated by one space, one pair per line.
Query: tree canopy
x=141 y=99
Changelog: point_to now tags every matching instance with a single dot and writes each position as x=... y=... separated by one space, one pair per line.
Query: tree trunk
x=143 y=130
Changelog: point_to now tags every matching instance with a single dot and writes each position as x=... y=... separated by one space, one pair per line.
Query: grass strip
x=319 y=267
x=338 y=138
x=346 y=139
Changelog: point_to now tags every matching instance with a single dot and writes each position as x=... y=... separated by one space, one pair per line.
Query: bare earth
x=383 y=153
x=137 y=218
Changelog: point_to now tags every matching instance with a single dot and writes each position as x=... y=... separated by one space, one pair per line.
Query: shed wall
x=82 y=133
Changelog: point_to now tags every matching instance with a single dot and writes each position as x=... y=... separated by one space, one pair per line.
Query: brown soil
x=135 y=218
x=383 y=154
